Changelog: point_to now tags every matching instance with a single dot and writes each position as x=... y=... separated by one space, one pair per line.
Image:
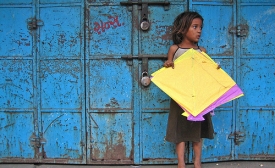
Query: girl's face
x=194 y=32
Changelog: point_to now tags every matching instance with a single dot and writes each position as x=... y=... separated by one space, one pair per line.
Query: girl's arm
x=170 y=56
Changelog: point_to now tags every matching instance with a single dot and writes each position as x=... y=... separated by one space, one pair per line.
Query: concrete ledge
x=230 y=164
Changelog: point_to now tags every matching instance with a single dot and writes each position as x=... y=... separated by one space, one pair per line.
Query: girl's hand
x=168 y=64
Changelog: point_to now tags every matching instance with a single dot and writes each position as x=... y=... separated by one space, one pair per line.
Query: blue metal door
x=60 y=78
x=243 y=44
x=42 y=81
x=220 y=43
x=238 y=34
x=255 y=121
x=18 y=116
x=154 y=104
x=110 y=84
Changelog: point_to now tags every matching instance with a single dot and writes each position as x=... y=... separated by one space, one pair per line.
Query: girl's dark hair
x=181 y=25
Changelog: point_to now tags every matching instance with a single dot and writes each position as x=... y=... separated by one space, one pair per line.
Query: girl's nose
x=200 y=29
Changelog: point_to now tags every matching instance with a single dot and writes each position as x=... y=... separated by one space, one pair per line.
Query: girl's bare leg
x=197 y=147
x=180 y=149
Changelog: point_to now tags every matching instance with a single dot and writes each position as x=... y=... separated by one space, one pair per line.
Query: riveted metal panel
x=153 y=131
x=60 y=36
x=259 y=40
x=15 y=37
x=16 y=129
x=111 y=138
x=109 y=30
x=258 y=127
x=62 y=137
x=16 y=84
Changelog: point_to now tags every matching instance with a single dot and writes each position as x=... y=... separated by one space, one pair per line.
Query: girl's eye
x=195 y=27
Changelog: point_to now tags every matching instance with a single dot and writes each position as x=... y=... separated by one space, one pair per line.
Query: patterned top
x=180 y=51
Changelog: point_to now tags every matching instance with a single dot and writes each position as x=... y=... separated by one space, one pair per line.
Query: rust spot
x=116 y=151
x=112 y=104
x=167 y=35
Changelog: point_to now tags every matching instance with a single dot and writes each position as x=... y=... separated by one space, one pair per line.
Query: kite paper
x=196 y=84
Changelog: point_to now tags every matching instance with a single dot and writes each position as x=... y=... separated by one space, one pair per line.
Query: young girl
x=186 y=33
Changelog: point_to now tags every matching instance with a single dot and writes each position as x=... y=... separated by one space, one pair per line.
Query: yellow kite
x=195 y=83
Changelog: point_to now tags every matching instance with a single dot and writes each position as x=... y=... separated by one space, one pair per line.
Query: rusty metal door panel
x=109 y=84
x=255 y=138
x=15 y=139
x=17 y=83
x=255 y=124
x=111 y=138
x=62 y=138
x=219 y=17
x=60 y=35
x=15 y=37
x=154 y=149
x=61 y=82
x=61 y=105
x=258 y=40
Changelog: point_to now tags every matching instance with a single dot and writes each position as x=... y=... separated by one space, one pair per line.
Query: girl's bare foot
x=197 y=164
x=181 y=165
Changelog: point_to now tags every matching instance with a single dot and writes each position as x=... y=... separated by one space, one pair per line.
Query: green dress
x=179 y=129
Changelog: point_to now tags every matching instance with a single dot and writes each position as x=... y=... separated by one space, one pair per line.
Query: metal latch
x=33 y=23
x=145 y=77
x=237 y=136
x=240 y=30
x=144 y=22
x=37 y=141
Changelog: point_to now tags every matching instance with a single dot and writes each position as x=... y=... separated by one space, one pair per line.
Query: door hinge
x=240 y=30
x=33 y=23
x=237 y=136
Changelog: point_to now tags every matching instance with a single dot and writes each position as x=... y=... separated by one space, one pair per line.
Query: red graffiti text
x=101 y=26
